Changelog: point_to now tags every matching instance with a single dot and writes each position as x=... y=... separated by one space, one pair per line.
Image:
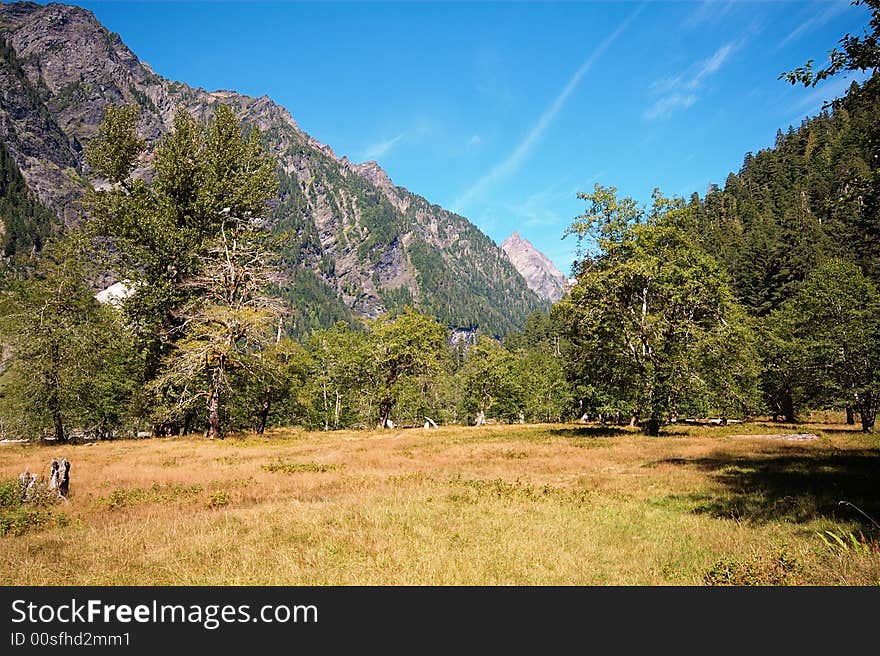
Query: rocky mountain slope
x=540 y=274
x=356 y=242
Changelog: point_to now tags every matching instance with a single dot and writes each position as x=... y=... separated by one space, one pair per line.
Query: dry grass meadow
x=496 y=505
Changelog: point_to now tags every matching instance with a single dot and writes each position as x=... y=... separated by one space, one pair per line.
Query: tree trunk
x=59 y=426
x=384 y=413
x=788 y=407
x=214 y=414
x=53 y=398
x=850 y=416
x=868 y=415
x=481 y=418
x=264 y=414
x=652 y=427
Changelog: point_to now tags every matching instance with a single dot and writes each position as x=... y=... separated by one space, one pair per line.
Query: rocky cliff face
x=540 y=274
x=355 y=239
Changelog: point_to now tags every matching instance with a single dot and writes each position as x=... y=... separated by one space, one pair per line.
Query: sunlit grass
x=497 y=505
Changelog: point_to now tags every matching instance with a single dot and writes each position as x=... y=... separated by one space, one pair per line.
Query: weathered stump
x=59 y=479
x=27 y=484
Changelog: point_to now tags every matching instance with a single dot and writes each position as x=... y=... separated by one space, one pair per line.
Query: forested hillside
x=812 y=196
x=24 y=223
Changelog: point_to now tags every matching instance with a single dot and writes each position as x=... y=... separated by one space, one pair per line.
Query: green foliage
x=227 y=325
x=114 y=152
x=841 y=541
x=166 y=240
x=489 y=382
x=71 y=360
x=407 y=347
x=297 y=467
x=337 y=374
x=651 y=315
x=18 y=515
x=857 y=53
x=832 y=327
x=778 y=569
x=157 y=493
x=813 y=196
x=26 y=224
x=218 y=499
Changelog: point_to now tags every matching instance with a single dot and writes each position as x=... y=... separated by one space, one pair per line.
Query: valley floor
x=544 y=504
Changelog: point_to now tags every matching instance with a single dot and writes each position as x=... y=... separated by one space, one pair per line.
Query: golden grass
x=497 y=505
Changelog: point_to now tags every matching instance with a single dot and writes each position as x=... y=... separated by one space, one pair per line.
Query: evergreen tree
x=156 y=236
x=70 y=360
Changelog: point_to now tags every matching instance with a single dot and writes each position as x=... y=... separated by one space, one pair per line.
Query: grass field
x=544 y=504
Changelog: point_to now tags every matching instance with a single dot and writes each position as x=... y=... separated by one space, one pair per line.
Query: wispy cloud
x=711 y=65
x=666 y=105
x=382 y=148
x=817 y=21
x=512 y=162
x=708 y=11
x=680 y=92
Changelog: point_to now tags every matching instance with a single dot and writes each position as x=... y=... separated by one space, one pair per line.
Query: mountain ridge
x=355 y=238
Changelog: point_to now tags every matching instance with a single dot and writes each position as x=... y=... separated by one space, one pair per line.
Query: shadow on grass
x=786 y=487
x=589 y=431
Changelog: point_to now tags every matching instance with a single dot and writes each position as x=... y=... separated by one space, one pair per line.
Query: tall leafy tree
x=646 y=303
x=69 y=361
x=227 y=324
x=339 y=376
x=489 y=382
x=404 y=347
x=835 y=324
x=157 y=235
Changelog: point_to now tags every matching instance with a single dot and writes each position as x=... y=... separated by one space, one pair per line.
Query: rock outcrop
x=540 y=274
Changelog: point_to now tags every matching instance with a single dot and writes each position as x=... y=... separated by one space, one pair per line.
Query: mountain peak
x=372 y=171
x=539 y=272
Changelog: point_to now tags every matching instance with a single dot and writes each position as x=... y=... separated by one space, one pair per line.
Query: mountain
x=540 y=275
x=356 y=243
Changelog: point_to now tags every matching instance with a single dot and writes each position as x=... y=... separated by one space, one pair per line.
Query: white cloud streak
x=708 y=11
x=815 y=22
x=382 y=148
x=512 y=162
x=680 y=92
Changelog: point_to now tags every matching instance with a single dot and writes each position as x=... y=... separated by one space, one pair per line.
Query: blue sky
x=504 y=111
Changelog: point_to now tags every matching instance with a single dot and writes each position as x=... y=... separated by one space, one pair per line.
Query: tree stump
x=59 y=477
x=64 y=478
x=27 y=483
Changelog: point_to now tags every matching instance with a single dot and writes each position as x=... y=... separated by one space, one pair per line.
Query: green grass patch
x=18 y=516
x=299 y=467
x=156 y=493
